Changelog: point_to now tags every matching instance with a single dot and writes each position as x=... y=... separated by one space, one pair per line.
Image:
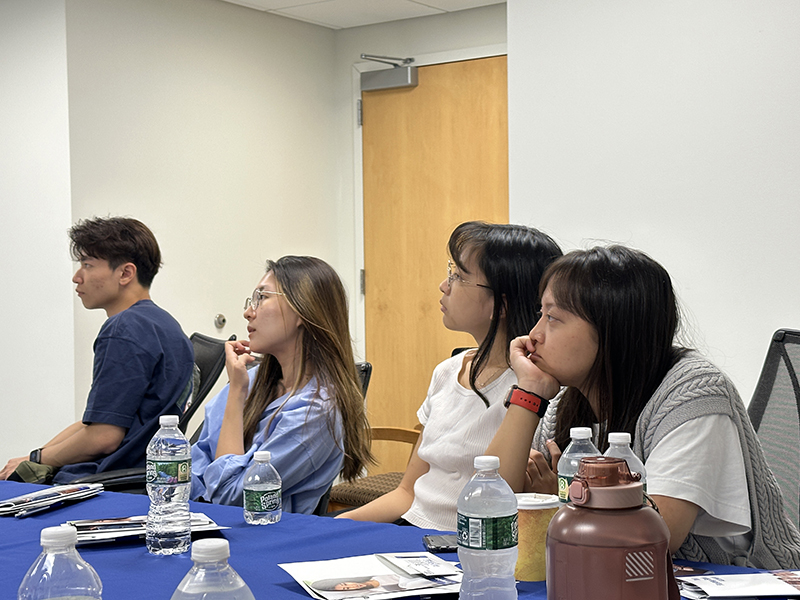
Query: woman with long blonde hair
x=303 y=403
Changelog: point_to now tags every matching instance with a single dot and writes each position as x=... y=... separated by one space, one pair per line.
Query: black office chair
x=775 y=413
x=364 y=374
x=209 y=360
x=209 y=356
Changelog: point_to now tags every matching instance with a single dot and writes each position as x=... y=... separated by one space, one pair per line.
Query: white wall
x=227 y=130
x=36 y=359
x=672 y=127
x=213 y=124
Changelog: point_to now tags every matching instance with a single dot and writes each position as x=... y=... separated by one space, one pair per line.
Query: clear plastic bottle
x=211 y=577
x=487 y=534
x=619 y=446
x=60 y=572
x=580 y=446
x=169 y=481
x=262 y=491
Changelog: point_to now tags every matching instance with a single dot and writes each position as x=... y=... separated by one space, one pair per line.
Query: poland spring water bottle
x=211 y=577
x=169 y=481
x=487 y=534
x=262 y=491
x=619 y=446
x=580 y=446
x=60 y=572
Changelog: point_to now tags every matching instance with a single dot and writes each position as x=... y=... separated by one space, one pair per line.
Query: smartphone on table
x=447 y=542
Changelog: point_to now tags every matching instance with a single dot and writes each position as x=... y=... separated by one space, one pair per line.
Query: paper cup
x=534 y=514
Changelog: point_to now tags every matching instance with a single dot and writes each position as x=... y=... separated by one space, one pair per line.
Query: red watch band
x=525 y=399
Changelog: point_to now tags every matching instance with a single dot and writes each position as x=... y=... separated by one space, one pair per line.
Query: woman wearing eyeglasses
x=490 y=292
x=303 y=403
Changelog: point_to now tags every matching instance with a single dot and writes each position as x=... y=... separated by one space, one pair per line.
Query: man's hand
x=11 y=466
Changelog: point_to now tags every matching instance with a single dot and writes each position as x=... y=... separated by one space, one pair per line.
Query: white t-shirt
x=701 y=461
x=458 y=427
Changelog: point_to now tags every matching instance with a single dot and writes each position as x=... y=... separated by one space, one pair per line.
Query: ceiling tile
x=354 y=13
x=452 y=5
x=273 y=4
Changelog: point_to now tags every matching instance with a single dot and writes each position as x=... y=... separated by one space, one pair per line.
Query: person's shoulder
x=694 y=377
x=450 y=364
x=693 y=366
x=143 y=323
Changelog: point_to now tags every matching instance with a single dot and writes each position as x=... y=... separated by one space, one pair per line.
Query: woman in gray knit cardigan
x=603 y=354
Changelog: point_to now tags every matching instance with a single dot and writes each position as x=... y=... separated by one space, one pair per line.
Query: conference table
x=128 y=571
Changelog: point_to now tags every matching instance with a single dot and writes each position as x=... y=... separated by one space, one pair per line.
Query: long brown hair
x=315 y=292
x=628 y=298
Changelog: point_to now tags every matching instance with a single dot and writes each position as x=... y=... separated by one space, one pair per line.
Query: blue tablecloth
x=128 y=571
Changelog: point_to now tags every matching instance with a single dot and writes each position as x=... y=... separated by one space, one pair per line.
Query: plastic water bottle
x=262 y=491
x=211 y=577
x=169 y=471
x=487 y=534
x=619 y=446
x=60 y=572
x=580 y=446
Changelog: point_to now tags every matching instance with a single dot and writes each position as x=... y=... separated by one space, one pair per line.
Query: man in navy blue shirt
x=143 y=362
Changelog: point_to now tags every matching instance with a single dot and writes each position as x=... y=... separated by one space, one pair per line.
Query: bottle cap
x=210 y=550
x=62 y=535
x=262 y=456
x=580 y=433
x=618 y=437
x=481 y=463
x=168 y=420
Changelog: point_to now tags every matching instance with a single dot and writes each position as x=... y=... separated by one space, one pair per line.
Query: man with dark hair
x=143 y=362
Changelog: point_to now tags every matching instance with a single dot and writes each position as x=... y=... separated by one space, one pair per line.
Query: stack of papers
x=747 y=585
x=377 y=576
x=28 y=504
x=92 y=531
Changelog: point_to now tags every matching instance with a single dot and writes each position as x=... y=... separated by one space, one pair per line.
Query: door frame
x=423 y=60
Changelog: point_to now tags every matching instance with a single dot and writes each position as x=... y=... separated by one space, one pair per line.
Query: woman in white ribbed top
x=490 y=292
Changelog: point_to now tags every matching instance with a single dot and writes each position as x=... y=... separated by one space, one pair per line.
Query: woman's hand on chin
x=237 y=357
x=529 y=376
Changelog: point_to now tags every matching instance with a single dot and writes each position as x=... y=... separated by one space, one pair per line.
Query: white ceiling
x=341 y=14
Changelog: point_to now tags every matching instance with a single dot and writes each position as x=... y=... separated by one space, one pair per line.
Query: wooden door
x=434 y=156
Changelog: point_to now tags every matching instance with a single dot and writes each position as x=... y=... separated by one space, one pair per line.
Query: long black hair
x=628 y=298
x=513 y=259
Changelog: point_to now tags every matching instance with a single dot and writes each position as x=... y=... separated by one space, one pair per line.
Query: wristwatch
x=533 y=402
x=36 y=456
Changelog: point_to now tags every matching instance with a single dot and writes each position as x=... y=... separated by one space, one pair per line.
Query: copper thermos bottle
x=605 y=544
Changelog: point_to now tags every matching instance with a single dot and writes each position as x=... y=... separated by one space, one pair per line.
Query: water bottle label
x=169 y=471
x=487 y=533
x=262 y=500
x=563 y=487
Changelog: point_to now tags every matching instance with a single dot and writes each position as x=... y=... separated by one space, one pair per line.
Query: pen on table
x=32 y=511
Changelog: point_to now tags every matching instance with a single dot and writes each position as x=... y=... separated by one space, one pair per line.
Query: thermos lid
x=605 y=482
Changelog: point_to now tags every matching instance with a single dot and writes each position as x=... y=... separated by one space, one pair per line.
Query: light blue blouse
x=304 y=451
